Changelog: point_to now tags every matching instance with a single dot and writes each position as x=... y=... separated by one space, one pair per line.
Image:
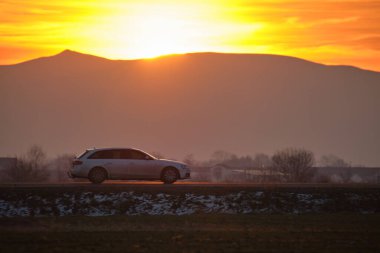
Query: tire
x=97 y=175
x=169 y=175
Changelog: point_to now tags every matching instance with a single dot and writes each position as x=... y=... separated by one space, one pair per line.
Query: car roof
x=98 y=149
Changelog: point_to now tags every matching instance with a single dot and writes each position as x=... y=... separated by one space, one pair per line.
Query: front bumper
x=184 y=173
x=70 y=175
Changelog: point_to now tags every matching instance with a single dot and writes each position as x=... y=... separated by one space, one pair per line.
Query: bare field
x=194 y=233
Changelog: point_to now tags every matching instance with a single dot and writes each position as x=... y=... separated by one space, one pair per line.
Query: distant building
x=227 y=173
x=7 y=162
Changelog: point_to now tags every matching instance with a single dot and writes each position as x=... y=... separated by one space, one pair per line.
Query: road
x=183 y=187
x=120 y=183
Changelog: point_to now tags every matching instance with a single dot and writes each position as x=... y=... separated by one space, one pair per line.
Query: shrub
x=295 y=164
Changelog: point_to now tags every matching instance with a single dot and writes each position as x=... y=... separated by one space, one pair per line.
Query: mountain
x=193 y=103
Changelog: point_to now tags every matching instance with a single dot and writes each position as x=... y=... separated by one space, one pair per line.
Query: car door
x=141 y=165
x=108 y=159
x=121 y=165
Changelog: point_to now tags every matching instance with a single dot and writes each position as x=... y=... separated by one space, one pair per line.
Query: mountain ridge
x=67 y=53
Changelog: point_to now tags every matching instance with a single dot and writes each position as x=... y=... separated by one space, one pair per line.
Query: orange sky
x=326 y=31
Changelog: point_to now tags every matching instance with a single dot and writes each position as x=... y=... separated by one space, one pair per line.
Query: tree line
x=34 y=166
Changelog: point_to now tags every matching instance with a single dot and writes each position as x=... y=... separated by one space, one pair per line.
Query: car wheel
x=97 y=175
x=169 y=176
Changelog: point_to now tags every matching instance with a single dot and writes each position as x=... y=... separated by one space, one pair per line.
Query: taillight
x=77 y=162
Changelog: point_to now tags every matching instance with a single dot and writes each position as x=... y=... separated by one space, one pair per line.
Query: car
x=99 y=164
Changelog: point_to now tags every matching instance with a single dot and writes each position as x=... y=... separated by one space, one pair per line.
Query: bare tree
x=221 y=156
x=262 y=161
x=295 y=164
x=333 y=161
x=30 y=167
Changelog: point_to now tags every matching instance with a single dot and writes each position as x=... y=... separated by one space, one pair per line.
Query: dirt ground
x=342 y=232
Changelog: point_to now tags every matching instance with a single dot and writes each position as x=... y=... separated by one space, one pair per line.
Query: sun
x=151 y=32
x=139 y=30
x=156 y=34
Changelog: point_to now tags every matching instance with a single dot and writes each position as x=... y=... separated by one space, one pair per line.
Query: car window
x=133 y=154
x=106 y=154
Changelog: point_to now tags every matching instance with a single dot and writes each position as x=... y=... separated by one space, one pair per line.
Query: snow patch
x=132 y=203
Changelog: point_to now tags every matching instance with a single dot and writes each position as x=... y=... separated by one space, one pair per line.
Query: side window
x=138 y=155
x=125 y=154
x=132 y=154
x=106 y=154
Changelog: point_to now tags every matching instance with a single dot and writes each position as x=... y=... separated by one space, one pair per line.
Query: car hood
x=172 y=162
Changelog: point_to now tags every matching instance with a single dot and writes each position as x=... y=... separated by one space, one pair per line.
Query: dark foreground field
x=189 y=218
x=193 y=233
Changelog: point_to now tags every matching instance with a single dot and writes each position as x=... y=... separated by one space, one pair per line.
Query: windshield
x=152 y=156
x=83 y=154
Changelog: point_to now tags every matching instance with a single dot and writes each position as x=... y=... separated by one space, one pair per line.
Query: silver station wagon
x=126 y=164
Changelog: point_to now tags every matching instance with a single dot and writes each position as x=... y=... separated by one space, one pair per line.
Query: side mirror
x=147 y=158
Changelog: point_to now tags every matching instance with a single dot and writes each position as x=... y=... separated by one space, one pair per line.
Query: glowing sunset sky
x=326 y=31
